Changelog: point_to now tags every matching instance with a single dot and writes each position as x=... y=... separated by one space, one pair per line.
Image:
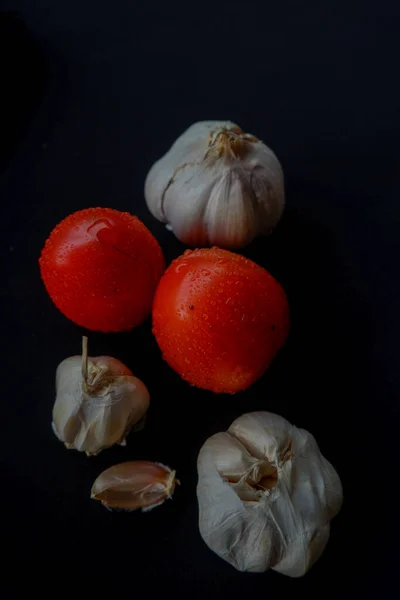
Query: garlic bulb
x=266 y=495
x=216 y=186
x=133 y=485
x=98 y=401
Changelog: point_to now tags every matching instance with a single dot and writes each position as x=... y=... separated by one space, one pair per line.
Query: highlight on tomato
x=101 y=267
x=219 y=319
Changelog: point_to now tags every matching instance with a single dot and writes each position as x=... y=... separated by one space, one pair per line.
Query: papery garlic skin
x=217 y=186
x=134 y=485
x=266 y=495
x=93 y=414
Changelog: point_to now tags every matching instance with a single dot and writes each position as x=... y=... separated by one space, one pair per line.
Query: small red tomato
x=101 y=267
x=219 y=319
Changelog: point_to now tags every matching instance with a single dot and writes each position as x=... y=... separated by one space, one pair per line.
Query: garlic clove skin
x=233 y=460
x=270 y=436
x=228 y=523
x=134 y=485
x=184 y=151
x=264 y=434
x=222 y=215
x=96 y=410
x=217 y=186
x=277 y=517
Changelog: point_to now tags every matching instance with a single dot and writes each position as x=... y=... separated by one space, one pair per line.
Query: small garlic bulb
x=266 y=495
x=133 y=485
x=216 y=186
x=98 y=401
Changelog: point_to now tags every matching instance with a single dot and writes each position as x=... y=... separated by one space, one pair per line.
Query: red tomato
x=219 y=319
x=101 y=267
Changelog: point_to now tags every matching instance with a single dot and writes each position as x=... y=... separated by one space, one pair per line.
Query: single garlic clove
x=98 y=402
x=134 y=485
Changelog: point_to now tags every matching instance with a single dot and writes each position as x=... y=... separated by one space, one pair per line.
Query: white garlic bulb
x=98 y=401
x=217 y=186
x=266 y=495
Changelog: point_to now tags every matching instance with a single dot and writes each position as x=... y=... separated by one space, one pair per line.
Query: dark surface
x=318 y=82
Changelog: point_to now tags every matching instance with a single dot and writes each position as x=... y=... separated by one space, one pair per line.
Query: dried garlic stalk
x=98 y=401
x=266 y=495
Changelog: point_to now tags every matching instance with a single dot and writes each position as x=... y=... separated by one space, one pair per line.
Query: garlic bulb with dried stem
x=133 y=485
x=217 y=186
x=266 y=495
x=98 y=401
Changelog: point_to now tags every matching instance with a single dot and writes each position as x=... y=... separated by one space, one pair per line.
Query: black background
x=95 y=94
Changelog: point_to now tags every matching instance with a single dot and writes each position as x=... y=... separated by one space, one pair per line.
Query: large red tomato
x=101 y=267
x=219 y=319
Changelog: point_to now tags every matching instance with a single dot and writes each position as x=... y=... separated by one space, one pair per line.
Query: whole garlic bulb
x=266 y=495
x=217 y=186
x=98 y=401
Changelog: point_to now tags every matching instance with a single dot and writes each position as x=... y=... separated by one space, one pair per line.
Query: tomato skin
x=101 y=267
x=219 y=319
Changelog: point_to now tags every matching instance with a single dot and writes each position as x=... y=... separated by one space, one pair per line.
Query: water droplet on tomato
x=180 y=266
x=205 y=317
